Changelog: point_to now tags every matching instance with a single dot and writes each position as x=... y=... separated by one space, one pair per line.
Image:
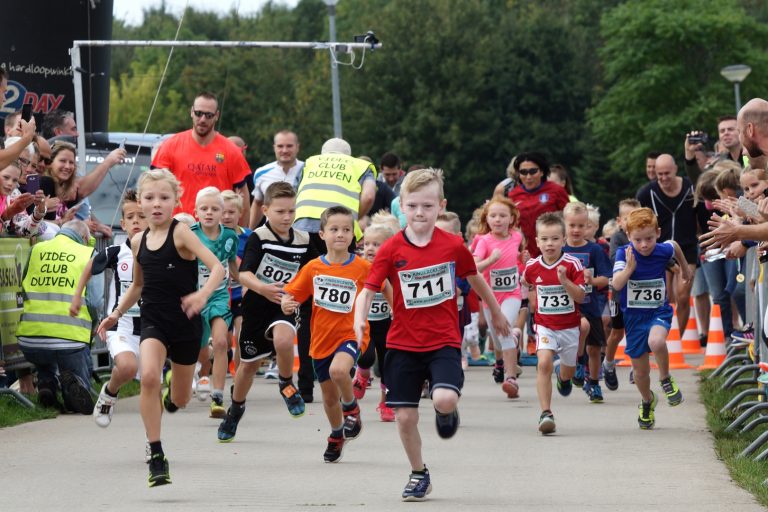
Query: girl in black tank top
x=170 y=323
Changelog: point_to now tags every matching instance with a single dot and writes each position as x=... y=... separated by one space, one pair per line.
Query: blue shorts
x=638 y=327
x=323 y=366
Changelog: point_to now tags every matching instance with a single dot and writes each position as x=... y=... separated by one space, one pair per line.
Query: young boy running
x=597 y=269
x=333 y=280
x=640 y=274
x=556 y=282
x=122 y=339
x=273 y=255
x=423 y=342
x=217 y=317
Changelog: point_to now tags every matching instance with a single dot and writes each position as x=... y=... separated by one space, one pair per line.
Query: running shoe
x=167 y=404
x=272 y=372
x=547 y=423
x=563 y=387
x=334 y=450
x=203 y=388
x=611 y=379
x=447 y=424
x=159 y=473
x=217 y=408
x=359 y=385
x=418 y=486
x=105 y=406
x=498 y=372
x=578 y=377
x=511 y=388
x=587 y=386
x=353 y=425
x=674 y=396
x=386 y=414
x=646 y=418
x=293 y=400
x=228 y=427
x=595 y=394
x=77 y=397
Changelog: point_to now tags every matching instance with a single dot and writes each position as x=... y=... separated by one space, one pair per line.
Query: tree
x=662 y=61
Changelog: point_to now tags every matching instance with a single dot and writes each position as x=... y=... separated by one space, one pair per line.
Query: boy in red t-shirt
x=423 y=342
x=556 y=283
x=333 y=280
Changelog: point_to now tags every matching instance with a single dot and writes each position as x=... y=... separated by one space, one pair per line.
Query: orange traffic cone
x=296 y=363
x=675 y=348
x=690 y=339
x=621 y=356
x=715 y=353
x=232 y=369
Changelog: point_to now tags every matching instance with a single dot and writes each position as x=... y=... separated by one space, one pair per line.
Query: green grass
x=13 y=413
x=746 y=472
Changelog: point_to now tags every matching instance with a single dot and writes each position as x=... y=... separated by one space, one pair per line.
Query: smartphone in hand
x=33 y=183
x=748 y=207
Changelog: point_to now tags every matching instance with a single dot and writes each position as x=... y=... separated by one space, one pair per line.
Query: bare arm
x=499 y=321
x=367 y=196
x=88 y=184
x=193 y=303
x=131 y=295
x=680 y=257
x=619 y=280
x=576 y=291
x=11 y=153
x=362 y=306
x=77 y=299
x=256 y=214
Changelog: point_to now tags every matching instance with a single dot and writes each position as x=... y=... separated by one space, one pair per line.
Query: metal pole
x=79 y=108
x=738 y=96
x=336 y=96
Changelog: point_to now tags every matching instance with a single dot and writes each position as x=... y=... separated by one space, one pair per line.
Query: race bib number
x=646 y=293
x=274 y=270
x=334 y=293
x=429 y=286
x=204 y=273
x=504 y=279
x=379 y=308
x=133 y=310
x=554 y=300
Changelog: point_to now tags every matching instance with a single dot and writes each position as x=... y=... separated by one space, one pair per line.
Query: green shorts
x=214 y=309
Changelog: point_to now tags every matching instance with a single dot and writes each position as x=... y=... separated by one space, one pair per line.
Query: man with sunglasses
x=202 y=157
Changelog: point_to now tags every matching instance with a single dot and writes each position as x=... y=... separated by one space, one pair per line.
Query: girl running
x=497 y=254
x=165 y=278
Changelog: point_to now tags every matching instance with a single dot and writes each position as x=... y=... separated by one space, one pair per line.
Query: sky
x=132 y=10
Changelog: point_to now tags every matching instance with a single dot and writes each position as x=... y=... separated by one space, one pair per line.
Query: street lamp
x=336 y=97
x=735 y=74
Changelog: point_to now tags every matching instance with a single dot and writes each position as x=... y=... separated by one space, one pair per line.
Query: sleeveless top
x=167 y=276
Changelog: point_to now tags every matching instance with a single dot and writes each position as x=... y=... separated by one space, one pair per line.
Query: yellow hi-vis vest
x=331 y=180
x=54 y=269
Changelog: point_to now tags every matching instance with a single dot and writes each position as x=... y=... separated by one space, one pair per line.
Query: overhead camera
x=368 y=37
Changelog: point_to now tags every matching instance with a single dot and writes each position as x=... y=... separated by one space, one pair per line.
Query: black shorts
x=596 y=336
x=691 y=254
x=405 y=373
x=617 y=317
x=236 y=307
x=256 y=332
x=180 y=335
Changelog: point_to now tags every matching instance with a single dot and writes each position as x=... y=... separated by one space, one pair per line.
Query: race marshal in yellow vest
x=333 y=178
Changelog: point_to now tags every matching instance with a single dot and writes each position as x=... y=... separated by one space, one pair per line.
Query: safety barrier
x=744 y=365
x=14 y=253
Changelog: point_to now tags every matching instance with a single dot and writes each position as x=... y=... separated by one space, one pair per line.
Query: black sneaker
x=611 y=379
x=564 y=387
x=334 y=450
x=47 y=398
x=292 y=399
x=353 y=425
x=228 y=427
x=307 y=396
x=578 y=376
x=75 y=393
x=159 y=474
x=498 y=372
x=418 y=486
x=447 y=424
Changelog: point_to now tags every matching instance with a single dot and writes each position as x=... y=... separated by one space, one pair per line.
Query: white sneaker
x=272 y=373
x=203 y=390
x=105 y=406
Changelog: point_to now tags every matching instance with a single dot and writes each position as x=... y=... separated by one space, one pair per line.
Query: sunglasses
x=24 y=162
x=528 y=172
x=207 y=115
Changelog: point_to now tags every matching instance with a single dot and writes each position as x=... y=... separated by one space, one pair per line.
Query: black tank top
x=167 y=276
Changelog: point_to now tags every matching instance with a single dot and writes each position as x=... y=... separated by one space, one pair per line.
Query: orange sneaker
x=386 y=414
x=510 y=387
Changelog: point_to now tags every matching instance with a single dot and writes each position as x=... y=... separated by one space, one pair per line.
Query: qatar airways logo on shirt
x=202 y=169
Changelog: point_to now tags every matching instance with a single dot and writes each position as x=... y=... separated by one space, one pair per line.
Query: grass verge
x=13 y=413
x=746 y=472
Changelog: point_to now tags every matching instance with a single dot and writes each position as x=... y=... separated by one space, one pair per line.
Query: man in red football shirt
x=202 y=157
